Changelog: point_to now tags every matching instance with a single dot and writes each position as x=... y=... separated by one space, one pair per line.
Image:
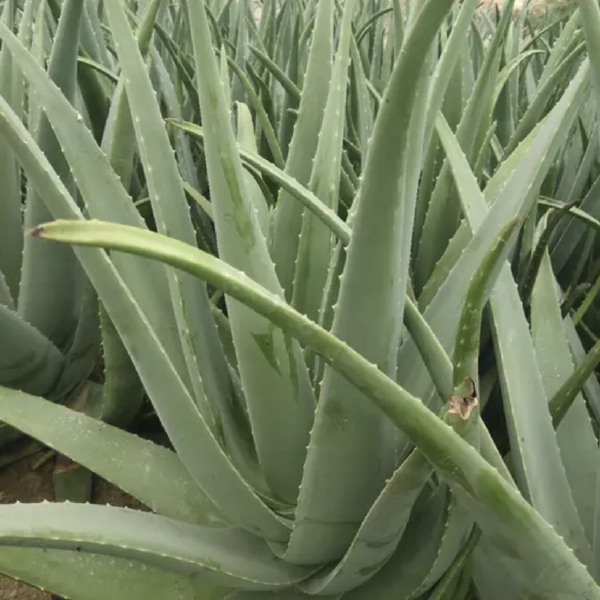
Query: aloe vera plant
x=324 y=414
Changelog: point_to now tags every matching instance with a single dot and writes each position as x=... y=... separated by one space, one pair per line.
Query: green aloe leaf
x=29 y=361
x=274 y=377
x=348 y=430
x=72 y=574
x=288 y=215
x=11 y=227
x=153 y=474
x=466 y=350
x=225 y=556
x=575 y=436
x=199 y=339
x=316 y=241
x=53 y=270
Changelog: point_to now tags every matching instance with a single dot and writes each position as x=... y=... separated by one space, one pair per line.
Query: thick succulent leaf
x=188 y=432
x=247 y=141
x=447 y=62
x=467 y=350
x=261 y=112
x=51 y=277
x=368 y=317
x=207 y=369
x=288 y=215
x=11 y=229
x=403 y=574
x=274 y=377
x=152 y=474
x=536 y=106
x=498 y=506
x=228 y=557
x=458 y=525
x=77 y=576
x=316 y=241
x=28 y=360
x=493 y=578
x=380 y=532
x=575 y=436
x=81 y=355
x=590 y=20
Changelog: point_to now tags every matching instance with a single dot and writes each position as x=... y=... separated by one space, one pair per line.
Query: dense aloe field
x=299 y=298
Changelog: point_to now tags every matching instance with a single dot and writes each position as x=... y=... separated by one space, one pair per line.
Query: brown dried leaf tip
x=37 y=231
x=464 y=405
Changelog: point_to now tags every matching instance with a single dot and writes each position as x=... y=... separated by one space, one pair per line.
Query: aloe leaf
x=81 y=355
x=279 y=74
x=458 y=526
x=199 y=338
x=575 y=436
x=446 y=63
x=406 y=569
x=54 y=270
x=493 y=576
x=288 y=215
x=351 y=432
x=71 y=574
x=459 y=574
x=364 y=105
x=379 y=533
x=154 y=475
x=275 y=379
x=315 y=247
x=119 y=134
x=432 y=352
x=247 y=141
x=291 y=101
x=590 y=21
x=227 y=557
x=466 y=350
x=29 y=361
x=499 y=507
x=11 y=228
x=219 y=478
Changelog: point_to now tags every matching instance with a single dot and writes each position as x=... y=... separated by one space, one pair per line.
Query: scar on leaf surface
x=464 y=404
